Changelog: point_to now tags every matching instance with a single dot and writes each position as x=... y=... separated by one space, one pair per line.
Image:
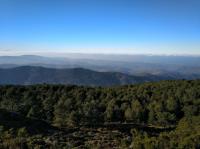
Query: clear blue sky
x=100 y=26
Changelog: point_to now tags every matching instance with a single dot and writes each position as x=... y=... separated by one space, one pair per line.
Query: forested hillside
x=29 y=75
x=150 y=115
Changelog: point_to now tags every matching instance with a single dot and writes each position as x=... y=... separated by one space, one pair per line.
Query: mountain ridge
x=27 y=75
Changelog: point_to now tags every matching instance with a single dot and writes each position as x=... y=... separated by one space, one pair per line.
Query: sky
x=100 y=26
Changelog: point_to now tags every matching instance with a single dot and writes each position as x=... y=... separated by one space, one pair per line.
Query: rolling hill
x=27 y=75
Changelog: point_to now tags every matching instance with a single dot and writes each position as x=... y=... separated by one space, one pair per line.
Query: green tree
x=172 y=105
x=22 y=132
x=138 y=111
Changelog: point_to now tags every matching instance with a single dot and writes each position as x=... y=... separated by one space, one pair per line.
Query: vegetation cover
x=158 y=115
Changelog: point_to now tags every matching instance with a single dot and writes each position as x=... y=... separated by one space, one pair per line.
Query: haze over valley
x=97 y=69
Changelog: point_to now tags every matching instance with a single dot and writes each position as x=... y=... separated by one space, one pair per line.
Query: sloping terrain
x=27 y=75
x=165 y=114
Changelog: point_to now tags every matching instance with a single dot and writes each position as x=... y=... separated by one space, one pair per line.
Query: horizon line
x=60 y=54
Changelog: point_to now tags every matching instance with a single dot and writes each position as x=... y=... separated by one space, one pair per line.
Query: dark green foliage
x=185 y=136
x=158 y=105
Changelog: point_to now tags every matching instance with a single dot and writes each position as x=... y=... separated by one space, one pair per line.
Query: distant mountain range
x=99 y=71
x=120 y=63
x=27 y=75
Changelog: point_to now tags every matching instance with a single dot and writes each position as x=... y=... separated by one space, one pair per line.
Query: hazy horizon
x=67 y=54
